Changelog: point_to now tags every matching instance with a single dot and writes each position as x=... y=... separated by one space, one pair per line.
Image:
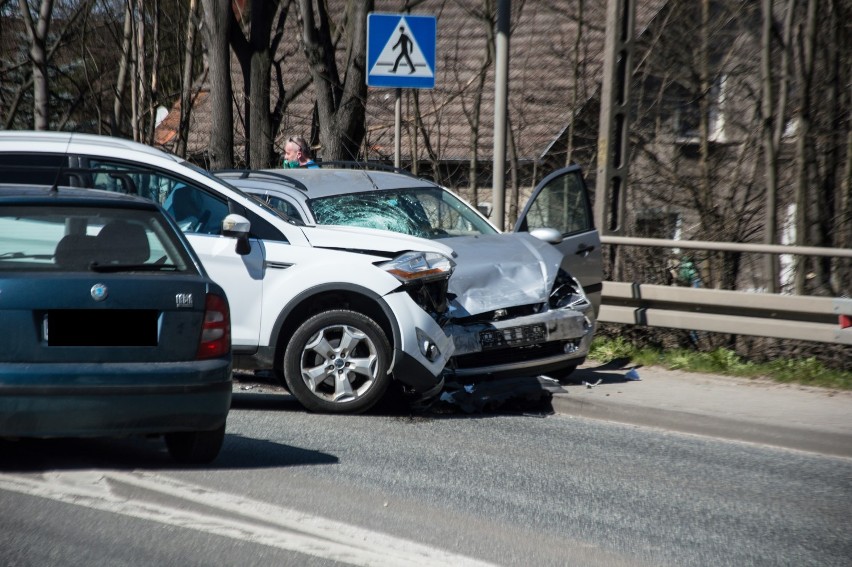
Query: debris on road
x=527 y=395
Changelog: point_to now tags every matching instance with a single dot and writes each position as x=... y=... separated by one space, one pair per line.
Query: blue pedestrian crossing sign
x=401 y=51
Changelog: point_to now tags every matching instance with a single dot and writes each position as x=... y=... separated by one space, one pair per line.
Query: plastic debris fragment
x=632 y=374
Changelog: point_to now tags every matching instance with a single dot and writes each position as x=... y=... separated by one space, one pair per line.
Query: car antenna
x=55 y=187
x=370 y=179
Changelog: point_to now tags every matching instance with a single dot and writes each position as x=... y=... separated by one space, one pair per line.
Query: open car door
x=561 y=202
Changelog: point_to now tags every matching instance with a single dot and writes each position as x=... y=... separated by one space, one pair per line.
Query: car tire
x=337 y=362
x=195 y=447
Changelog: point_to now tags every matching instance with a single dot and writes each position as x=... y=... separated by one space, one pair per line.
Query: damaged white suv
x=336 y=313
x=515 y=308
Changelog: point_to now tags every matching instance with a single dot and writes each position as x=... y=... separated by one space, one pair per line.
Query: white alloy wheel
x=337 y=361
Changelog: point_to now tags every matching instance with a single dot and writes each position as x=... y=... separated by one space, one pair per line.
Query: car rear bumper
x=532 y=344
x=62 y=400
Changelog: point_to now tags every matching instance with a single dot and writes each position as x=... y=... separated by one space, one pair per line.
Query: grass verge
x=806 y=371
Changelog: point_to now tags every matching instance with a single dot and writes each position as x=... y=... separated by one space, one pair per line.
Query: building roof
x=547 y=38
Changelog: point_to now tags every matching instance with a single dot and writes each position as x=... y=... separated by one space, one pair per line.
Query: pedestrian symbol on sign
x=402 y=55
x=404 y=44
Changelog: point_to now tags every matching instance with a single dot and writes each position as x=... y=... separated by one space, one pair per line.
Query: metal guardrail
x=729 y=246
x=797 y=317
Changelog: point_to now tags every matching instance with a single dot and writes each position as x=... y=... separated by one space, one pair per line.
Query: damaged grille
x=501 y=314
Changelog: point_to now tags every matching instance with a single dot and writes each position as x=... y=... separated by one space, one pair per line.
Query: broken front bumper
x=532 y=344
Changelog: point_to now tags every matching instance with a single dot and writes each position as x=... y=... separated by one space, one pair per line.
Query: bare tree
x=772 y=116
x=255 y=46
x=186 y=99
x=153 y=90
x=216 y=31
x=37 y=32
x=340 y=100
x=123 y=64
x=486 y=15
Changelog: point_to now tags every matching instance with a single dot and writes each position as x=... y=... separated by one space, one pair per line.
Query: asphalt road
x=292 y=488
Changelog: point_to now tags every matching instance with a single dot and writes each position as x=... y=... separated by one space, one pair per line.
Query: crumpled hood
x=501 y=270
x=370 y=240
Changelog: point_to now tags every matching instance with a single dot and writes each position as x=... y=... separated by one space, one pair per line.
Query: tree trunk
x=134 y=75
x=575 y=87
x=475 y=112
x=804 y=81
x=154 y=84
x=260 y=121
x=770 y=147
x=123 y=63
x=186 y=99
x=216 y=30
x=341 y=103
x=37 y=32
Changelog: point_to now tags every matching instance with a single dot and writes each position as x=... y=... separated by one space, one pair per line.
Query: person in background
x=297 y=153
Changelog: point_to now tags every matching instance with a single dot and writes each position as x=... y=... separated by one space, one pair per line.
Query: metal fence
x=821 y=319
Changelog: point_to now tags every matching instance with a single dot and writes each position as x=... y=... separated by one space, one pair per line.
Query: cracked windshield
x=425 y=212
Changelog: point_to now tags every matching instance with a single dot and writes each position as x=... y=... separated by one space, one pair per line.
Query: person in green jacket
x=297 y=153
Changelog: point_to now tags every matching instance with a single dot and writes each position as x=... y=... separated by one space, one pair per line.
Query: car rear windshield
x=70 y=238
x=427 y=212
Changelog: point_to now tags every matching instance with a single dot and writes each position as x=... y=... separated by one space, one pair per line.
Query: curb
x=814 y=441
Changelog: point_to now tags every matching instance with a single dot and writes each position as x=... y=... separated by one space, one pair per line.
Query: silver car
x=515 y=307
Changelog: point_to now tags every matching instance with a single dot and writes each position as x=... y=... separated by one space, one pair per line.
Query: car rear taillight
x=216 y=331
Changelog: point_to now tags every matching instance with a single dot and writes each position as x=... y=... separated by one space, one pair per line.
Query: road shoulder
x=753 y=410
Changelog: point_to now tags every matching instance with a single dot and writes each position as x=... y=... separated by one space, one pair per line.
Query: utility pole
x=501 y=89
x=613 y=136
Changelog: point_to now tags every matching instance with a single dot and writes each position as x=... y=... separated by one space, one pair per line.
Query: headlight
x=419 y=266
x=567 y=292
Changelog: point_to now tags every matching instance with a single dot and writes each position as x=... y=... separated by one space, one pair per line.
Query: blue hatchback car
x=110 y=326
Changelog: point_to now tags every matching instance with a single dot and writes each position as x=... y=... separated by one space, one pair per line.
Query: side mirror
x=550 y=235
x=237 y=226
x=485 y=209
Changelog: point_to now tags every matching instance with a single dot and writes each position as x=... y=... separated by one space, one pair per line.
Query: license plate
x=103 y=327
x=513 y=336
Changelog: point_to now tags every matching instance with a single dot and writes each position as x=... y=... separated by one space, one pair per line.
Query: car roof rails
x=365 y=165
x=263 y=174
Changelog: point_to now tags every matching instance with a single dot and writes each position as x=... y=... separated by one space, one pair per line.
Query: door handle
x=584 y=250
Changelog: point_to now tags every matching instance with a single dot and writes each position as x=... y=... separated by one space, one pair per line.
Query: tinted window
x=33 y=169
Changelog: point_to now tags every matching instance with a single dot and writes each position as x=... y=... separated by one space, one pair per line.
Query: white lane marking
x=242 y=518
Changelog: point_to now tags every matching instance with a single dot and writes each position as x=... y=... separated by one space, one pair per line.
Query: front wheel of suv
x=337 y=362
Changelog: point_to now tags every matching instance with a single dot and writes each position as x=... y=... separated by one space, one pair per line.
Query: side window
x=129 y=178
x=561 y=204
x=194 y=209
x=285 y=207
